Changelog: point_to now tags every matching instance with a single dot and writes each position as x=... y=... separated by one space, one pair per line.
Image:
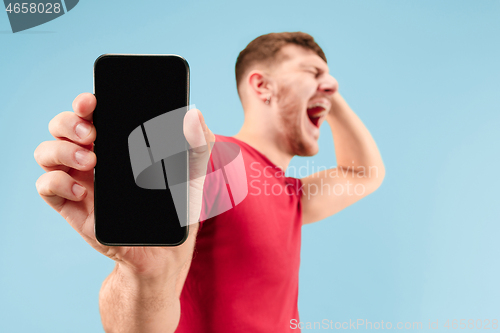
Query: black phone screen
x=131 y=90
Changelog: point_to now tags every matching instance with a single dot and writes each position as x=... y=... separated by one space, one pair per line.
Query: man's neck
x=265 y=144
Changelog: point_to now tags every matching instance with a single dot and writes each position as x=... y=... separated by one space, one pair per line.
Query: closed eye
x=316 y=72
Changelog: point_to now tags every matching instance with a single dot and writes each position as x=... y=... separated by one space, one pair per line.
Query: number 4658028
x=41 y=8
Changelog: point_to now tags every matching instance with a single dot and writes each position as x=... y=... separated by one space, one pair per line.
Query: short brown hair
x=265 y=48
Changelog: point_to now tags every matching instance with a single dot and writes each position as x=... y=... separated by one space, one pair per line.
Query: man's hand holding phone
x=145 y=286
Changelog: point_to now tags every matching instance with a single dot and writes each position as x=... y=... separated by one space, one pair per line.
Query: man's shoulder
x=225 y=149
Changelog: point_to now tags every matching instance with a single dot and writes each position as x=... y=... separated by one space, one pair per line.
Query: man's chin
x=307 y=149
x=309 y=153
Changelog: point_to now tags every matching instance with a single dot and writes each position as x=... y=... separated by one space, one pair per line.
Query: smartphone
x=133 y=92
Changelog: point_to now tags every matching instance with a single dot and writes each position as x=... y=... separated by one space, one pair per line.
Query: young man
x=242 y=276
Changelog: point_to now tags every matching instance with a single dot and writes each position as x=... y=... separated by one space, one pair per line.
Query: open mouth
x=315 y=112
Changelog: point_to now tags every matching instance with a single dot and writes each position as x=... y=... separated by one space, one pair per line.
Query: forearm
x=129 y=303
x=354 y=145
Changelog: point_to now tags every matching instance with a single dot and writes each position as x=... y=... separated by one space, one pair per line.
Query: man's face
x=303 y=98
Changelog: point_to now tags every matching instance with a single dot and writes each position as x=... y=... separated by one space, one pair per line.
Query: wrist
x=154 y=281
x=338 y=106
x=134 y=302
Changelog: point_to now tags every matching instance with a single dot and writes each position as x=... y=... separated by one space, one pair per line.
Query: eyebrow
x=305 y=65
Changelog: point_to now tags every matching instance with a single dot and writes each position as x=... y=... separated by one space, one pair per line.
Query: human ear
x=260 y=85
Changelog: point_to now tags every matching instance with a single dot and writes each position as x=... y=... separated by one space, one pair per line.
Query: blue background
x=422 y=75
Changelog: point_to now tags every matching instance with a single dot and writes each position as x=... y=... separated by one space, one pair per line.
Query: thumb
x=200 y=140
x=196 y=131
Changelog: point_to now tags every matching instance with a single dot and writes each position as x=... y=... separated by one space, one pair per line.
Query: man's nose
x=329 y=85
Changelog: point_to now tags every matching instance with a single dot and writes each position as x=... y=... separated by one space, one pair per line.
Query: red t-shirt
x=245 y=267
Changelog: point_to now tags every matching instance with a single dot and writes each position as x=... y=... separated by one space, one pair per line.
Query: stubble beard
x=290 y=117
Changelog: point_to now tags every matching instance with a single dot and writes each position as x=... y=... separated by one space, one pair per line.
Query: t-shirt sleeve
x=215 y=198
x=225 y=184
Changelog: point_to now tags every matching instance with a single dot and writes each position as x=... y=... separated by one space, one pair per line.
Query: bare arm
x=359 y=172
x=130 y=301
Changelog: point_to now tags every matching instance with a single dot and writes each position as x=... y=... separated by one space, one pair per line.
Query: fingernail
x=82 y=157
x=82 y=130
x=78 y=190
